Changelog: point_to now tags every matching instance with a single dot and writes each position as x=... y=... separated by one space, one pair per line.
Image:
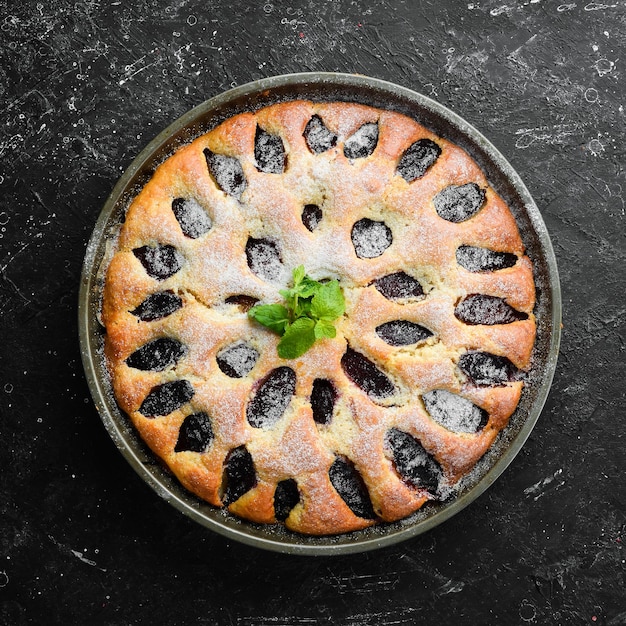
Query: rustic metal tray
x=323 y=87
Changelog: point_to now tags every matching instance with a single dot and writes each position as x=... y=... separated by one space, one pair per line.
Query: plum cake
x=393 y=402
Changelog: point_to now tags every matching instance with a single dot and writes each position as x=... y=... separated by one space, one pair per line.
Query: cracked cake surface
x=429 y=358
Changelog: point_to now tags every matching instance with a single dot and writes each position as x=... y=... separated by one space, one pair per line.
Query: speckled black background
x=84 y=86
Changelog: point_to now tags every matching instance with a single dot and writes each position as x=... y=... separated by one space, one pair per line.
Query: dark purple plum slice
x=323 y=397
x=417 y=158
x=194 y=221
x=264 y=258
x=484 y=369
x=459 y=203
x=286 y=497
x=245 y=303
x=227 y=173
x=269 y=152
x=237 y=360
x=362 y=143
x=311 y=216
x=412 y=462
x=272 y=398
x=487 y=310
x=160 y=261
x=157 y=355
x=239 y=475
x=454 y=412
x=399 y=286
x=166 y=398
x=157 y=306
x=365 y=375
x=349 y=484
x=475 y=259
x=370 y=238
x=402 y=333
x=195 y=434
x=318 y=138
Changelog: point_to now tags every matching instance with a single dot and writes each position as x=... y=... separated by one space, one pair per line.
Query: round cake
x=423 y=365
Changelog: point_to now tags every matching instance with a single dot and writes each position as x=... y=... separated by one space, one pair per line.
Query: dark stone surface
x=83 y=87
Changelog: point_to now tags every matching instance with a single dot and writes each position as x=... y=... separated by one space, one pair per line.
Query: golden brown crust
x=214 y=267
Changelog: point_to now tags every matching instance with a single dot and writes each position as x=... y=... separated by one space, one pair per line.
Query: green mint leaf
x=303 y=289
x=308 y=287
x=310 y=309
x=291 y=299
x=328 y=303
x=302 y=308
x=274 y=316
x=324 y=328
x=298 y=275
x=298 y=338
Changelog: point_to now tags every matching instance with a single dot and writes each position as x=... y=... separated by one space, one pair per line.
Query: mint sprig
x=308 y=314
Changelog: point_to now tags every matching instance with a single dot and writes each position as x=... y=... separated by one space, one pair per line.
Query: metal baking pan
x=323 y=87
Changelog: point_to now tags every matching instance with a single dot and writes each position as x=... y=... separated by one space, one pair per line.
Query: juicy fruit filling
x=412 y=462
x=269 y=152
x=272 y=398
x=161 y=261
x=166 y=398
x=475 y=259
x=399 y=286
x=483 y=368
x=370 y=238
x=418 y=157
x=196 y=433
x=402 y=333
x=350 y=486
x=237 y=360
x=362 y=143
x=263 y=258
x=239 y=475
x=459 y=203
x=454 y=412
x=227 y=173
x=487 y=310
x=157 y=355
x=157 y=306
x=318 y=137
x=286 y=497
x=323 y=398
x=193 y=220
x=364 y=374
x=311 y=216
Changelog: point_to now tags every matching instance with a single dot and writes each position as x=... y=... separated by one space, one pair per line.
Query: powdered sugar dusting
x=362 y=143
x=370 y=238
x=227 y=173
x=272 y=398
x=237 y=360
x=484 y=368
x=475 y=259
x=159 y=261
x=264 y=259
x=454 y=412
x=269 y=152
x=193 y=219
